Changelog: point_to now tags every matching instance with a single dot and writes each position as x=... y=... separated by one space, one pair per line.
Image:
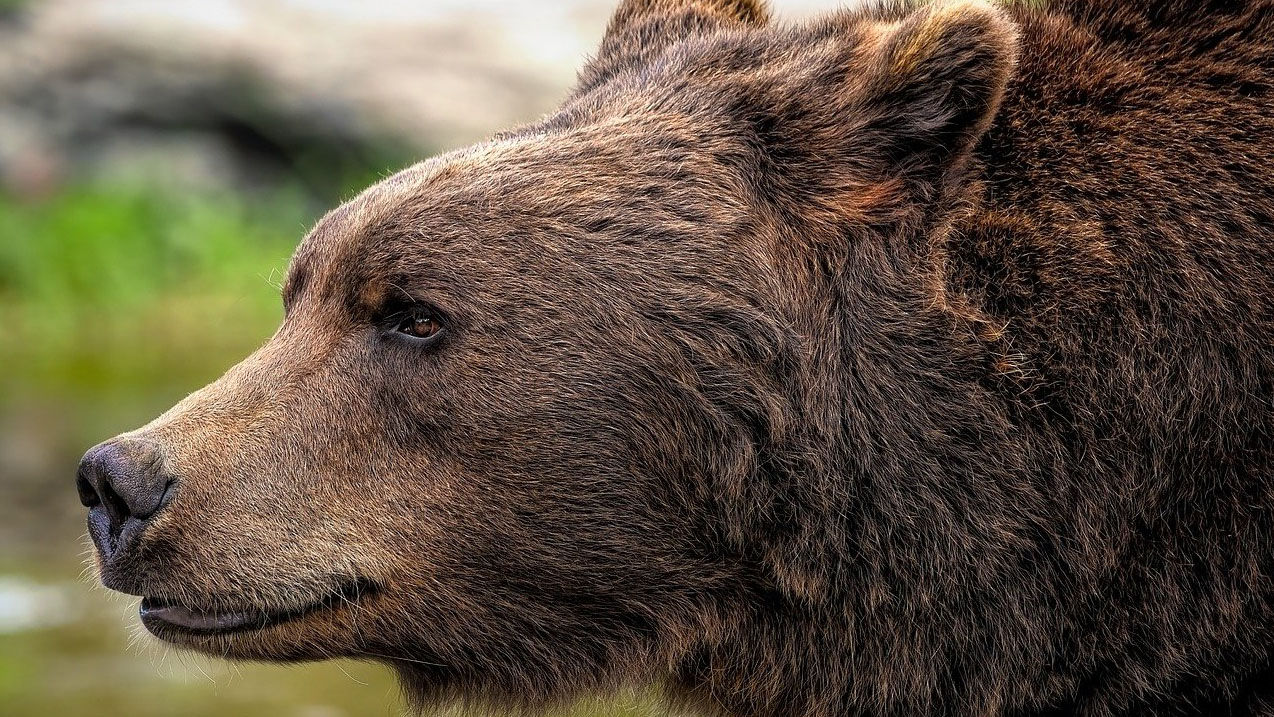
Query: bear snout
x=124 y=484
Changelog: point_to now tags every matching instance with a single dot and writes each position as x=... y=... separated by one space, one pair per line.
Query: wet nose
x=123 y=484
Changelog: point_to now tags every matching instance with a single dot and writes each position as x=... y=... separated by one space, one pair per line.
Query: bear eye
x=419 y=326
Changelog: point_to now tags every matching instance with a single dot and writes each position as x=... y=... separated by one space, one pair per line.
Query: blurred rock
x=242 y=92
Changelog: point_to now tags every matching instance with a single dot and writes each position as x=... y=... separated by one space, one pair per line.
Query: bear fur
x=918 y=360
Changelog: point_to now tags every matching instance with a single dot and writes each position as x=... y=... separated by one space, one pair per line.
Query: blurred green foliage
x=104 y=287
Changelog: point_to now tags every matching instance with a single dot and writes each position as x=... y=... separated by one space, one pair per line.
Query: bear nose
x=123 y=484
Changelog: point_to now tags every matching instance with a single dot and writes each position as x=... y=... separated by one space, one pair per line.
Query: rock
x=243 y=92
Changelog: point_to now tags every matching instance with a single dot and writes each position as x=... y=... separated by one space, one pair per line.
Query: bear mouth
x=164 y=618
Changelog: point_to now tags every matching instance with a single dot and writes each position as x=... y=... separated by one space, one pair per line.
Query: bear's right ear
x=938 y=78
x=640 y=29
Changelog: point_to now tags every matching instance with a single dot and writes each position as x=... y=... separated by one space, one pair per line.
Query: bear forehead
x=666 y=118
x=666 y=138
x=551 y=184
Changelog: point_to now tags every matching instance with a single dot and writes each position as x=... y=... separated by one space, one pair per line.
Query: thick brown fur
x=914 y=361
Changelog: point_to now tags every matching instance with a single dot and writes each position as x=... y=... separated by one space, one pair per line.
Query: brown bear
x=918 y=360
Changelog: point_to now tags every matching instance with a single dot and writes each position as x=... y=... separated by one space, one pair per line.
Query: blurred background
x=159 y=160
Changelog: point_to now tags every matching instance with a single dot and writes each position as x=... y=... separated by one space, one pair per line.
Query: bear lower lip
x=163 y=617
x=198 y=620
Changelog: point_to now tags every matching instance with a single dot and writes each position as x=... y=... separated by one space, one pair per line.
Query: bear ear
x=935 y=80
x=640 y=29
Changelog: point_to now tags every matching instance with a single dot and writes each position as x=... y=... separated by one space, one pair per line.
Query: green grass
x=104 y=288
